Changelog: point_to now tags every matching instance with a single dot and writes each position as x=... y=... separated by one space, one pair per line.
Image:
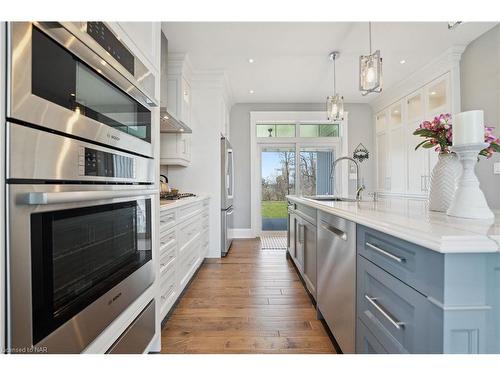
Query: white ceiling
x=291 y=59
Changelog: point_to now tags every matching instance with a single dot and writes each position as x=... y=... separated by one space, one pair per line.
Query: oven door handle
x=81 y=196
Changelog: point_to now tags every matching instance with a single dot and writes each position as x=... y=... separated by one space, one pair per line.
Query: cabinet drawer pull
x=335 y=231
x=386 y=253
x=386 y=314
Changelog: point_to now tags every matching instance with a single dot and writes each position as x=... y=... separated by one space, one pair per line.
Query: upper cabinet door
x=437 y=95
x=395 y=115
x=381 y=122
x=415 y=106
x=185 y=115
x=146 y=37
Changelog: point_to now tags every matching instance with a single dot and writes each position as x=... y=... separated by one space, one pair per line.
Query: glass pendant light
x=335 y=102
x=370 y=69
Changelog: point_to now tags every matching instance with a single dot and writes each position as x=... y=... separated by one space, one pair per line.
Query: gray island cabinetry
x=393 y=277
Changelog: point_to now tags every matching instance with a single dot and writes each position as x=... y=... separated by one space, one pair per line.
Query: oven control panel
x=102 y=35
x=105 y=164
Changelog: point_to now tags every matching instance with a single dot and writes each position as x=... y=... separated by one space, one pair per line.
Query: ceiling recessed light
x=433 y=92
x=402 y=61
x=251 y=61
x=251 y=91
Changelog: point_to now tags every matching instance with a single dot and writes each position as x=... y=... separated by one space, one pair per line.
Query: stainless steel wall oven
x=80 y=185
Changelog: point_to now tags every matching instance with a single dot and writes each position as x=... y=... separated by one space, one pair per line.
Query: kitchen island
x=393 y=277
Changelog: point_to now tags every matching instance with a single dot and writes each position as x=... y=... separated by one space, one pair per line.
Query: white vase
x=444 y=181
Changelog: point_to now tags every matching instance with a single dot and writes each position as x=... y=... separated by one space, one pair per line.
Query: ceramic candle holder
x=469 y=201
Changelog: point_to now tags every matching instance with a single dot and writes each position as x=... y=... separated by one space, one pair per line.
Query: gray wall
x=360 y=130
x=480 y=89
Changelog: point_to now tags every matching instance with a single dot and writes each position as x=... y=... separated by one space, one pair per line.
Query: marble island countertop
x=410 y=220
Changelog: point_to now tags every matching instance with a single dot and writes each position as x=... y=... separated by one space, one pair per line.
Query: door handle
x=335 y=231
x=373 y=301
x=386 y=253
x=81 y=196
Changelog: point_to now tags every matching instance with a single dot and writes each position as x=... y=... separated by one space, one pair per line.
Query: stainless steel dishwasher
x=337 y=277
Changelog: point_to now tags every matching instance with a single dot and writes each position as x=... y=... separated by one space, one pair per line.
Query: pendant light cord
x=334 y=91
x=370 y=36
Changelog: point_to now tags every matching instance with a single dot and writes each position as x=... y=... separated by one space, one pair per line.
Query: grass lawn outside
x=274 y=209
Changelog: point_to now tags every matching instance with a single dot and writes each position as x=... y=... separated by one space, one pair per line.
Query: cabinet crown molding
x=217 y=79
x=180 y=64
x=448 y=61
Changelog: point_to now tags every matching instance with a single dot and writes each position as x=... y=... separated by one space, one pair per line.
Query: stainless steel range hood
x=168 y=123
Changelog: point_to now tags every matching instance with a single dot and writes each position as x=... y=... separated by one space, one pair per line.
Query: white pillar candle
x=468 y=128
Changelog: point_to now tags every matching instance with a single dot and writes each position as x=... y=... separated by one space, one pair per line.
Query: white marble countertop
x=166 y=204
x=410 y=220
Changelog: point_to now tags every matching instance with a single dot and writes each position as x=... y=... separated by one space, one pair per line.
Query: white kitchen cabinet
x=383 y=179
x=142 y=37
x=179 y=91
x=402 y=170
x=397 y=150
x=175 y=149
x=381 y=144
x=183 y=247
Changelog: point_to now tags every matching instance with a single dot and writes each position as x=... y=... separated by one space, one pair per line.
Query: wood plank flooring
x=251 y=301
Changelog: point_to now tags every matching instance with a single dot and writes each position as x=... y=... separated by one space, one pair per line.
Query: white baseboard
x=242 y=233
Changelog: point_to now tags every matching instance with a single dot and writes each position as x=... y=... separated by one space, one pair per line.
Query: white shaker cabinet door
x=383 y=180
x=146 y=38
x=396 y=149
x=418 y=163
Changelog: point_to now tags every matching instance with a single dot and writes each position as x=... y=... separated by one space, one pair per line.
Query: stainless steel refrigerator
x=227 y=193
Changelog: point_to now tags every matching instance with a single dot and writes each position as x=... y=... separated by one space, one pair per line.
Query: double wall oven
x=80 y=183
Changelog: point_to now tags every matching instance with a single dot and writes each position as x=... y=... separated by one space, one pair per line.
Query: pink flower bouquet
x=438 y=134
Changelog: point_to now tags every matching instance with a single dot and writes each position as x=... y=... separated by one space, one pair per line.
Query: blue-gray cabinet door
x=401 y=319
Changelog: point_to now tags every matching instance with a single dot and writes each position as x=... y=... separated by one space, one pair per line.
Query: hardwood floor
x=251 y=301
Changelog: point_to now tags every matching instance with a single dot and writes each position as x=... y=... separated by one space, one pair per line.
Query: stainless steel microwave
x=78 y=79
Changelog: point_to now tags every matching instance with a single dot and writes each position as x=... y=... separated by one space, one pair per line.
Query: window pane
x=319 y=130
x=308 y=130
x=315 y=168
x=276 y=130
x=266 y=130
x=329 y=130
x=285 y=130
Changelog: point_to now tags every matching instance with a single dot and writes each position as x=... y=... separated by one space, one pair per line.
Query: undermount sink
x=330 y=198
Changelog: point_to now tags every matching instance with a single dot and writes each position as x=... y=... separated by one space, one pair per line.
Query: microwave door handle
x=79 y=196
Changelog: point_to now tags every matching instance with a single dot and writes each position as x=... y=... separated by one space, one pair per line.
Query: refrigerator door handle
x=230 y=174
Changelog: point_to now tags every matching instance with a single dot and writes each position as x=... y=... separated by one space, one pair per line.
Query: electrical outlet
x=496 y=168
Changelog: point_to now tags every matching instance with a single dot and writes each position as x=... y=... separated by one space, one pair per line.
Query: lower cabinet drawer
x=188 y=231
x=167 y=240
x=168 y=289
x=189 y=211
x=188 y=263
x=167 y=256
x=167 y=220
x=366 y=343
x=400 y=318
x=416 y=266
